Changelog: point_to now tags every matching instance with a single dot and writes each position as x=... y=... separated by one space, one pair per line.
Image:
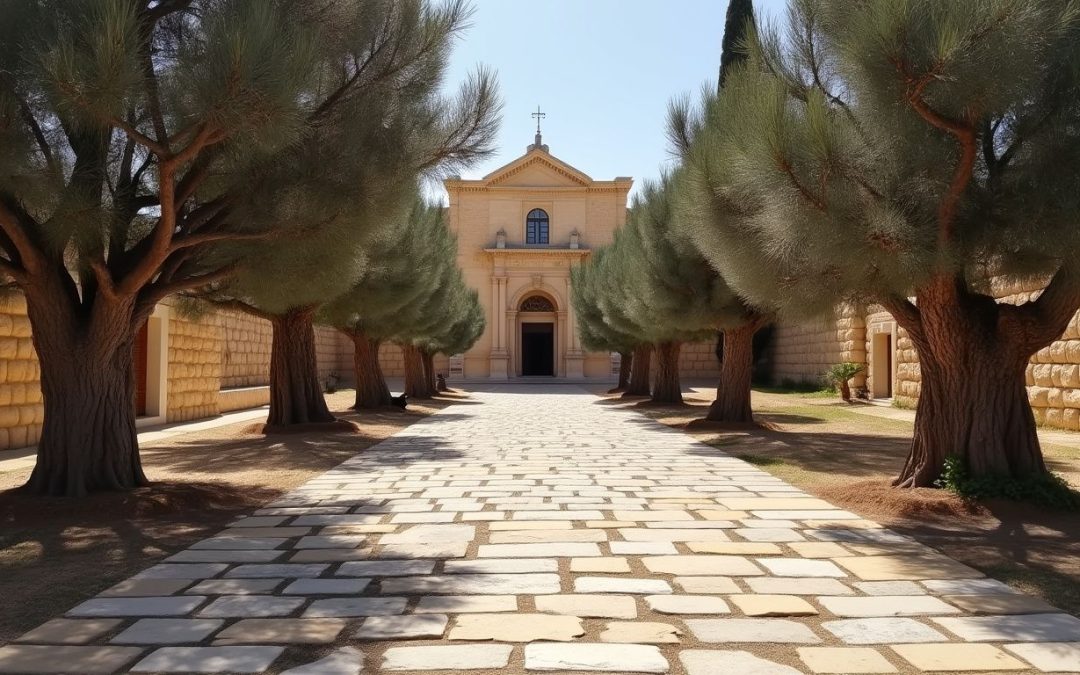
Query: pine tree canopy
x=871 y=146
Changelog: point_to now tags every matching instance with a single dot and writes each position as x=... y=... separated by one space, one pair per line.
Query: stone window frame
x=541 y=235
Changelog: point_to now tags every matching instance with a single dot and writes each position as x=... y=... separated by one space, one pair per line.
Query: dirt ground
x=820 y=445
x=55 y=552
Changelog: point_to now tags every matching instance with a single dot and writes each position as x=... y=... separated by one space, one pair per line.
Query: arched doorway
x=537 y=315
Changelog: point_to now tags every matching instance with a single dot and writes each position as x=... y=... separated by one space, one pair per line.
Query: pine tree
x=906 y=154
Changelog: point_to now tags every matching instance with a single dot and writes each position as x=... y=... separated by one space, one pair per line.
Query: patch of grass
x=808 y=391
x=760 y=460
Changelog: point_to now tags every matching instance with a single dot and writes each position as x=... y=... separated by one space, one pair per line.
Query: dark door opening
x=538 y=349
x=141 y=369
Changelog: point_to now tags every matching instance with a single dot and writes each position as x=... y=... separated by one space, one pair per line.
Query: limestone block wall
x=391 y=360
x=333 y=352
x=245 y=354
x=194 y=372
x=804 y=351
x=698 y=360
x=908 y=375
x=21 y=410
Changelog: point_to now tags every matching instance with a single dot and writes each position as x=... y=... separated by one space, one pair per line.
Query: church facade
x=520 y=230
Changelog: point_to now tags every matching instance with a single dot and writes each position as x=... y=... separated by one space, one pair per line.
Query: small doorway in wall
x=881 y=385
x=538 y=349
x=142 y=368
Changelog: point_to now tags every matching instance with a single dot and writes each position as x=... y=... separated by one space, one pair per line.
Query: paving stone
x=734 y=547
x=898 y=567
x=70 y=631
x=152 y=606
x=718 y=662
x=1000 y=604
x=277 y=631
x=460 y=604
x=230 y=543
x=620 y=585
x=687 y=604
x=773 y=605
x=193 y=556
x=447 y=657
x=258 y=521
x=516 y=627
x=887 y=605
x=642 y=548
x=646 y=515
x=135 y=588
x=799 y=567
x=235 y=586
x=327 y=586
x=65 y=659
x=957 y=657
x=343 y=661
x=767 y=534
x=437 y=551
x=407 y=627
x=845 y=660
x=890 y=587
x=503 y=566
x=265 y=532
x=882 y=631
x=474 y=583
x=285 y=570
x=641 y=632
x=431 y=534
x=707 y=585
x=606 y=565
x=355 y=607
x=819 y=549
x=331 y=541
x=558 y=515
x=780 y=631
x=251 y=605
x=330 y=555
x=166 y=571
x=1020 y=628
x=790 y=586
x=385 y=568
x=969 y=587
x=595 y=657
x=531 y=525
x=669 y=535
x=547 y=536
x=1050 y=657
x=709 y=565
x=590 y=606
x=209 y=660
x=167 y=631
x=570 y=550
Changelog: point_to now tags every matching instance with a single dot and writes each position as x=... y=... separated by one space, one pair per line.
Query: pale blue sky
x=602 y=70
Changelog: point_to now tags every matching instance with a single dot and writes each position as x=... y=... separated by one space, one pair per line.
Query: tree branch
x=1043 y=320
x=158 y=292
x=785 y=167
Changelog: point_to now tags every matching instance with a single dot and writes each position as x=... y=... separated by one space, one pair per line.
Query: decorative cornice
x=568 y=252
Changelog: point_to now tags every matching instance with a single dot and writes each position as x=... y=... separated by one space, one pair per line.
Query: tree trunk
x=626 y=360
x=639 y=372
x=88 y=441
x=667 y=388
x=415 y=379
x=371 y=389
x=732 y=402
x=296 y=396
x=428 y=360
x=845 y=391
x=973 y=401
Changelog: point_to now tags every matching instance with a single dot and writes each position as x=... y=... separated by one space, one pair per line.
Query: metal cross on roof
x=539 y=116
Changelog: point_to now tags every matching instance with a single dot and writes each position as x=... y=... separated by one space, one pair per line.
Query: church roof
x=538 y=168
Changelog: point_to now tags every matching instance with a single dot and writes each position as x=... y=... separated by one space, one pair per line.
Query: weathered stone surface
x=578 y=604
x=405 y=627
x=915 y=567
x=819 y=549
x=209 y=660
x=447 y=657
x=235 y=587
x=439 y=551
x=385 y=568
x=710 y=565
x=569 y=550
x=707 y=585
x=64 y=659
x=640 y=632
x=1001 y=603
x=605 y=565
x=1020 y=628
x=595 y=657
x=687 y=604
x=1049 y=657
x=780 y=631
x=882 y=631
x=734 y=547
x=723 y=662
x=516 y=627
x=969 y=587
x=199 y=556
x=251 y=606
x=957 y=657
x=503 y=566
x=167 y=631
x=430 y=534
x=890 y=587
x=886 y=605
x=799 y=567
x=343 y=661
x=845 y=660
x=279 y=631
x=326 y=586
x=70 y=631
x=332 y=541
x=791 y=586
x=620 y=585
x=669 y=535
x=642 y=547
x=781 y=504
x=182 y=571
x=547 y=536
x=135 y=588
x=773 y=605
x=356 y=607
x=458 y=604
x=474 y=583
x=283 y=570
x=163 y=606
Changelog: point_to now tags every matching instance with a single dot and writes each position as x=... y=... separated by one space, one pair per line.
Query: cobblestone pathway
x=540 y=530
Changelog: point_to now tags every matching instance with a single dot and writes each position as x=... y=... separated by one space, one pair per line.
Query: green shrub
x=839 y=375
x=1048 y=489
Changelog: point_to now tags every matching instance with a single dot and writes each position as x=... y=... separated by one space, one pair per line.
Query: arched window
x=536 y=227
x=537 y=303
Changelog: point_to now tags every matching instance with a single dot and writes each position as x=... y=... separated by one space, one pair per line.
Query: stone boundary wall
x=21 y=409
x=195 y=347
x=245 y=357
x=698 y=360
x=802 y=352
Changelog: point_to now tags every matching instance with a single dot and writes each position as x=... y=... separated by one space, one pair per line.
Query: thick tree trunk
x=639 y=372
x=626 y=361
x=88 y=441
x=296 y=396
x=732 y=402
x=428 y=360
x=666 y=387
x=415 y=379
x=973 y=401
x=371 y=388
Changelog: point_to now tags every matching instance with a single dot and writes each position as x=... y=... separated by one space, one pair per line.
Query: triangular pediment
x=537 y=169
